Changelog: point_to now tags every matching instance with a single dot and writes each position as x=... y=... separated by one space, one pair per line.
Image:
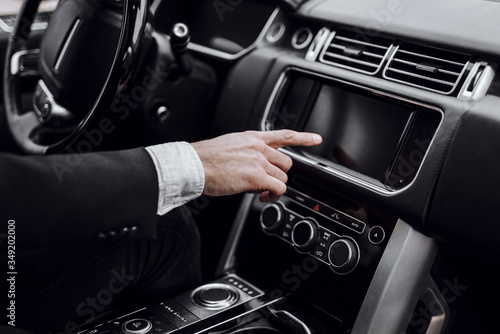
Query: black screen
x=360 y=132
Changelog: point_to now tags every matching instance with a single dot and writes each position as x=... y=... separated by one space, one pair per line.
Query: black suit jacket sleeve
x=65 y=198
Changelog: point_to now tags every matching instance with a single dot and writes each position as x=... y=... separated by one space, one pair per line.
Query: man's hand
x=249 y=162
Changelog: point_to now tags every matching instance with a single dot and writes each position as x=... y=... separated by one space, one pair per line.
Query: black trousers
x=61 y=287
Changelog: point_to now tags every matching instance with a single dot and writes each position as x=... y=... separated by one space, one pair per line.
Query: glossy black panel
x=366 y=133
x=272 y=259
x=359 y=132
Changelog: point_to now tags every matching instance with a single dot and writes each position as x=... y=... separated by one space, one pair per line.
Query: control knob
x=305 y=235
x=343 y=255
x=272 y=217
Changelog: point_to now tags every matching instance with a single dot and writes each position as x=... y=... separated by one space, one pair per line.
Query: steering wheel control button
x=343 y=255
x=137 y=326
x=215 y=296
x=163 y=114
x=46 y=110
x=376 y=235
x=301 y=38
x=271 y=218
x=305 y=235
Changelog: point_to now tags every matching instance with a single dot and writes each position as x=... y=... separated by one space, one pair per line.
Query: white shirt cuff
x=181 y=177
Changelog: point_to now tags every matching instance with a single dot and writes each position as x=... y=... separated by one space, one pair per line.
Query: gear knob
x=179 y=41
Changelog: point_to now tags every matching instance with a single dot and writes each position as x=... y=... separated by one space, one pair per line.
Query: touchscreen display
x=360 y=132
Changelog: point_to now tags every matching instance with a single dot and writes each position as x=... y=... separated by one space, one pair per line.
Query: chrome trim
x=401 y=276
x=5 y=27
x=384 y=72
x=276 y=313
x=66 y=44
x=306 y=42
x=439 y=309
x=228 y=56
x=327 y=62
x=349 y=256
x=273 y=39
x=16 y=67
x=309 y=222
x=330 y=170
x=197 y=299
x=482 y=85
x=333 y=268
x=278 y=208
x=383 y=237
x=181 y=30
x=142 y=331
x=130 y=313
x=317 y=44
x=256 y=329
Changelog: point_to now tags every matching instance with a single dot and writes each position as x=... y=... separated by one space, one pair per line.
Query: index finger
x=280 y=138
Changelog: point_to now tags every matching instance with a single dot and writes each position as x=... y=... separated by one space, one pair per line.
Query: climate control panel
x=319 y=230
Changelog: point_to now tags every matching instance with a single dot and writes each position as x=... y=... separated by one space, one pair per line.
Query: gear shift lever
x=179 y=40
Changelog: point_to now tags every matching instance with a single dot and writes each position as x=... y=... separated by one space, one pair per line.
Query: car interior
x=388 y=226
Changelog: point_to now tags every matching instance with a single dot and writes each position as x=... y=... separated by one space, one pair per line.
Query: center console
x=317 y=260
x=320 y=260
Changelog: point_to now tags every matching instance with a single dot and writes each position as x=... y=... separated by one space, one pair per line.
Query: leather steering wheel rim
x=21 y=125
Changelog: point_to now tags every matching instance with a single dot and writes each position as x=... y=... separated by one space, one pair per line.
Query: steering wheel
x=80 y=73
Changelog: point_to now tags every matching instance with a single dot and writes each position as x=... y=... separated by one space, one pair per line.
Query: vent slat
x=410 y=63
x=329 y=54
x=422 y=77
x=350 y=40
x=345 y=49
x=431 y=57
x=449 y=72
x=427 y=67
x=366 y=53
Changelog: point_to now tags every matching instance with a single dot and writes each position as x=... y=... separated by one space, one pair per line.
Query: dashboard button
x=137 y=326
x=174 y=313
x=376 y=235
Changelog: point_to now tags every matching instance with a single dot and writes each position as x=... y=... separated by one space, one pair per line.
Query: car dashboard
x=380 y=224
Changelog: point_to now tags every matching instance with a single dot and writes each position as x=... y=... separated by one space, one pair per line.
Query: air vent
x=356 y=51
x=430 y=68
